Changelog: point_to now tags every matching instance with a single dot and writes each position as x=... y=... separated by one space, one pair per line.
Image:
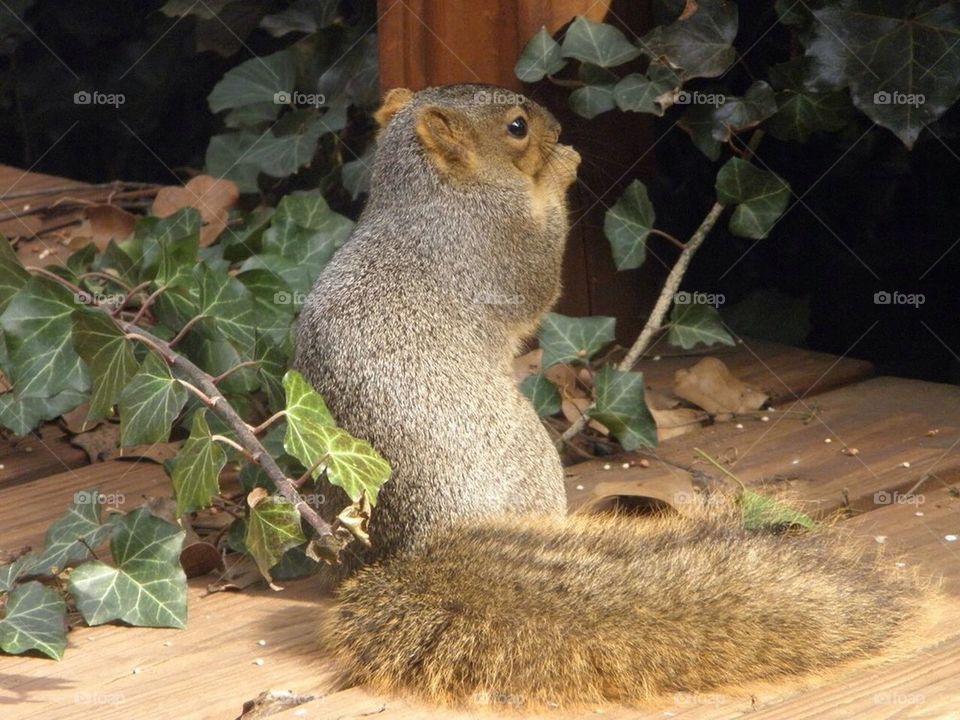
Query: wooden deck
x=906 y=433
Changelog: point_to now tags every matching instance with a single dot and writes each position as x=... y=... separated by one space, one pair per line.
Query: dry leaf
x=101 y=224
x=241 y=572
x=157 y=452
x=657 y=400
x=710 y=385
x=98 y=443
x=527 y=364
x=200 y=558
x=675 y=422
x=211 y=196
x=689 y=8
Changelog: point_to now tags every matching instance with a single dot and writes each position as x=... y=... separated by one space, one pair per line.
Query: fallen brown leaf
x=710 y=385
x=677 y=421
x=213 y=197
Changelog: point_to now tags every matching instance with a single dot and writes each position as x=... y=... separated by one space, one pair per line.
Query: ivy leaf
x=165 y=246
x=314 y=440
x=694 y=323
x=738 y=114
x=70 y=538
x=11 y=572
x=227 y=303
x=801 y=114
x=760 y=197
x=273 y=527
x=573 y=340
x=13 y=276
x=108 y=354
x=22 y=415
x=700 y=123
x=258 y=80
x=701 y=44
x=901 y=61
x=226 y=158
x=35 y=619
x=597 y=44
x=543 y=394
x=541 y=57
x=273 y=302
x=627 y=225
x=621 y=407
x=150 y=403
x=281 y=156
x=196 y=473
x=147 y=588
x=644 y=93
x=38 y=323
x=764 y=513
x=592 y=100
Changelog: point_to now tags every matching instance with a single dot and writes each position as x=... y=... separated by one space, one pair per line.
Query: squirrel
x=478 y=587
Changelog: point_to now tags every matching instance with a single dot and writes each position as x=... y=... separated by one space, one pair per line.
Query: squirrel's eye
x=518 y=128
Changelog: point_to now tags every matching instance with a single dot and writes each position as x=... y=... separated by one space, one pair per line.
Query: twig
x=185 y=329
x=655 y=322
x=667 y=236
x=59 y=189
x=235 y=445
x=224 y=375
x=268 y=422
x=181 y=366
x=720 y=467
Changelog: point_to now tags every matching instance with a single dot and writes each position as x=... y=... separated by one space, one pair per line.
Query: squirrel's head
x=480 y=133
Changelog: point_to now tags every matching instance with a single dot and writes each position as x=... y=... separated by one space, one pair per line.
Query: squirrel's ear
x=445 y=134
x=393 y=102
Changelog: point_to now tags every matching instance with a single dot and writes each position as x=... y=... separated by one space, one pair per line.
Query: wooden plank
x=14 y=181
x=46 y=452
x=886 y=419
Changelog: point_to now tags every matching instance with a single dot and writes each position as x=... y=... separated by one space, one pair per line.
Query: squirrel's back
x=481 y=588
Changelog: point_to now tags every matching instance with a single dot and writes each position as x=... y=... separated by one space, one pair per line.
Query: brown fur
x=484 y=590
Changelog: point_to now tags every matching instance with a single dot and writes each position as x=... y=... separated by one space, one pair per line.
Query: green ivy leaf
x=147 y=588
x=738 y=114
x=760 y=197
x=643 y=93
x=597 y=44
x=701 y=45
x=150 y=403
x=70 y=538
x=692 y=323
x=573 y=340
x=541 y=57
x=305 y=407
x=281 y=156
x=226 y=158
x=20 y=416
x=273 y=302
x=700 y=123
x=543 y=394
x=592 y=100
x=273 y=527
x=764 y=513
x=804 y=113
x=166 y=247
x=35 y=619
x=11 y=572
x=258 y=80
x=108 y=354
x=901 y=61
x=197 y=470
x=13 y=276
x=627 y=225
x=350 y=463
x=621 y=407
x=227 y=303
x=38 y=323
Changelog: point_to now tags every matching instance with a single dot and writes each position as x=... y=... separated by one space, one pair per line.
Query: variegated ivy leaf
x=620 y=406
x=72 y=536
x=760 y=197
x=574 y=340
x=147 y=587
x=541 y=57
x=196 y=471
x=35 y=619
x=150 y=403
x=273 y=527
x=305 y=410
x=108 y=354
x=543 y=394
x=627 y=225
x=597 y=44
x=350 y=463
x=692 y=323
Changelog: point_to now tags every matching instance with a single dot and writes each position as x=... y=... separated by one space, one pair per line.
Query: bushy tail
x=560 y=611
